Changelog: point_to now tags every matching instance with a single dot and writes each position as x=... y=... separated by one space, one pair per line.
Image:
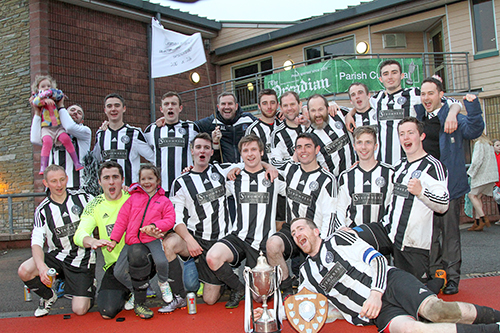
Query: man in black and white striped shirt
x=284 y=136
x=81 y=135
x=256 y=201
x=199 y=198
x=121 y=142
x=420 y=189
x=267 y=123
x=56 y=220
x=393 y=104
x=365 y=190
x=311 y=192
x=171 y=142
x=336 y=153
x=357 y=280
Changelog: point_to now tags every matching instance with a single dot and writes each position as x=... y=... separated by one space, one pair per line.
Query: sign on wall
x=336 y=75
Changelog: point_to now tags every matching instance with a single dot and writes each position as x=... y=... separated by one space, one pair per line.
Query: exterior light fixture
x=362 y=48
x=194 y=77
x=288 y=64
x=250 y=86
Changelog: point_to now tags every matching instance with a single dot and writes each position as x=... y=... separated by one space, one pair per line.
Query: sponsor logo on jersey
x=254 y=197
x=114 y=154
x=367 y=199
x=66 y=230
x=210 y=195
x=393 y=114
x=337 y=144
x=171 y=142
x=298 y=196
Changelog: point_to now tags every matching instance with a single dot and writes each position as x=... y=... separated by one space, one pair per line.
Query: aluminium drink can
x=52 y=276
x=27 y=294
x=191 y=303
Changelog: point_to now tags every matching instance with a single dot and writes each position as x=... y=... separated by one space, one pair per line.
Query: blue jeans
x=191 y=282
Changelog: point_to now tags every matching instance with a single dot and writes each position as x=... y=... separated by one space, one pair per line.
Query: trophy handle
x=246 y=276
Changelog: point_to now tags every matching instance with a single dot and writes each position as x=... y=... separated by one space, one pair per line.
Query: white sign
x=174 y=53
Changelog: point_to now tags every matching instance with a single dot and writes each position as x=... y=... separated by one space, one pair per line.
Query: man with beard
x=227 y=127
x=336 y=153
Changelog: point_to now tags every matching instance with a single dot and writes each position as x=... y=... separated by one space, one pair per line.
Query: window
x=335 y=48
x=246 y=90
x=484 y=26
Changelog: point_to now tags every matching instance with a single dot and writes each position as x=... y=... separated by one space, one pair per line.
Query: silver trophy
x=263 y=281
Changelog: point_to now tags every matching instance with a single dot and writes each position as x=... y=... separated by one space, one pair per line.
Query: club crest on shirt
x=338 y=124
x=380 y=181
x=125 y=139
x=182 y=131
x=266 y=182
x=314 y=185
x=329 y=257
x=77 y=210
x=215 y=177
x=416 y=174
x=402 y=100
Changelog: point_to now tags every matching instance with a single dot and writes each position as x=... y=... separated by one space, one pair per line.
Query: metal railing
x=17 y=212
x=453 y=67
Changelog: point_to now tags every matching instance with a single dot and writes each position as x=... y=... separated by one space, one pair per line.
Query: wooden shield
x=307 y=311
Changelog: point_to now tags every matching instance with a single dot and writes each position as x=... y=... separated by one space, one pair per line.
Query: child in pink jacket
x=147 y=208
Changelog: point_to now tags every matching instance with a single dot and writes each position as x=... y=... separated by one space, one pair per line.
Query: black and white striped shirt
x=57 y=223
x=263 y=131
x=283 y=143
x=200 y=203
x=256 y=200
x=310 y=194
x=171 y=148
x=409 y=218
x=336 y=151
x=364 y=196
x=391 y=108
x=345 y=270
x=125 y=146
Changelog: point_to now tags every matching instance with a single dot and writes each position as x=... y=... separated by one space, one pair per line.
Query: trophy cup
x=263 y=280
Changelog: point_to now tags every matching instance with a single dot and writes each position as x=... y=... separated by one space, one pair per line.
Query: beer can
x=27 y=294
x=52 y=276
x=191 y=303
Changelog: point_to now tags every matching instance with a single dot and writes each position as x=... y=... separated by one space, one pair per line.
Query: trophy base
x=266 y=327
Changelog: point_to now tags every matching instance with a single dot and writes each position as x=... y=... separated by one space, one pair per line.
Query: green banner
x=336 y=75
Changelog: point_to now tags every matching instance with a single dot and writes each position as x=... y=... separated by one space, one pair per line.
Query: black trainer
x=235 y=298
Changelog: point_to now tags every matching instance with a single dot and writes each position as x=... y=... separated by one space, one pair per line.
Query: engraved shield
x=307 y=311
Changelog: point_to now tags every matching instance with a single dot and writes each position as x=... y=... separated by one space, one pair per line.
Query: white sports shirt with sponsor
x=256 y=200
x=263 y=131
x=171 y=148
x=310 y=194
x=283 y=143
x=57 y=223
x=391 y=108
x=345 y=270
x=125 y=146
x=364 y=196
x=336 y=151
x=410 y=218
x=199 y=200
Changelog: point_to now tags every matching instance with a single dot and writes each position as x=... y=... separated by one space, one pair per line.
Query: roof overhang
x=366 y=14
x=143 y=11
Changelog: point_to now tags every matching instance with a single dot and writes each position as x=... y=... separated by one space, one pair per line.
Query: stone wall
x=16 y=151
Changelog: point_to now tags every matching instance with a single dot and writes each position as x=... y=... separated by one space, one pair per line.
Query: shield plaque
x=307 y=311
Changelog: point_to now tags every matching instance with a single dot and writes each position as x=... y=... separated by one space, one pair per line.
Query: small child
x=45 y=95
x=147 y=209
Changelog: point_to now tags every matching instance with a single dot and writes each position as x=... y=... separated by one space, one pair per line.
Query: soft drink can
x=191 y=302
x=52 y=276
x=27 y=294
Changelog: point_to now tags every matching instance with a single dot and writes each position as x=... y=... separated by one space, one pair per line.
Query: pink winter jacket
x=140 y=210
